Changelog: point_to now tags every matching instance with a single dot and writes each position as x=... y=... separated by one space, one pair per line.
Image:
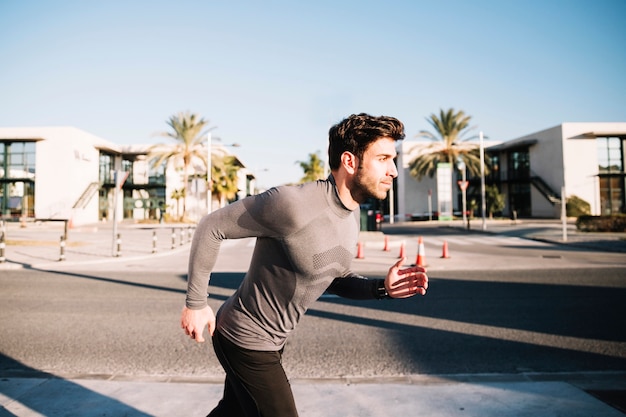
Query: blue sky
x=273 y=76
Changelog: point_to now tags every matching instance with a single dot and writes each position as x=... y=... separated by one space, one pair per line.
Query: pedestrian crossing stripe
x=485 y=240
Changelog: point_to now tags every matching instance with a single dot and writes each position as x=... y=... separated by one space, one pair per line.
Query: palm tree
x=188 y=130
x=224 y=177
x=449 y=145
x=177 y=195
x=313 y=168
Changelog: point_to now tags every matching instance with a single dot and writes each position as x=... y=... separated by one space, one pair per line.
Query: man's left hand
x=403 y=283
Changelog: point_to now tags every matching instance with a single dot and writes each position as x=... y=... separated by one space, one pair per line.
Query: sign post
x=120 y=178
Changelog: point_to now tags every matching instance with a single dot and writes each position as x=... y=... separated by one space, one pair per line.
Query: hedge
x=613 y=223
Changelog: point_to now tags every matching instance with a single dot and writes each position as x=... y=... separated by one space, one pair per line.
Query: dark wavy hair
x=356 y=132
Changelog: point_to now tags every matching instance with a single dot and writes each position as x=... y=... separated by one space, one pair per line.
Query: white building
x=66 y=173
x=582 y=159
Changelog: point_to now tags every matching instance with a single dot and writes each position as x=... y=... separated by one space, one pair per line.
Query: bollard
x=386 y=244
x=444 y=253
x=189 y=234
x=118 y=245
x=2 y=247
x=173 y=238
x=182 y=236
x=62 y=249
x=154 y=241
x=359 y=250
x=402 y=251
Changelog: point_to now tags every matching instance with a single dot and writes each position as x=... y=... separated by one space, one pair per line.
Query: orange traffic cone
x=386 y=247
x=359 y=250
x=421 y=253
x=401 y=255
x=445 y=250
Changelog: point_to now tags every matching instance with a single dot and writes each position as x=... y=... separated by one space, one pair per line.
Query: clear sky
x=273 y=76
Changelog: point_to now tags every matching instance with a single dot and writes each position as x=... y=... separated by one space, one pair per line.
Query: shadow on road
x=491 y=326
x=25 y=393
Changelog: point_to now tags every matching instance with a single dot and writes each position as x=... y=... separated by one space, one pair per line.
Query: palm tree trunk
x=186 y=180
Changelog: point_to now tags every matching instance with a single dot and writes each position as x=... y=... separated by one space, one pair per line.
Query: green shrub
x=614 y=223
x=577 y=207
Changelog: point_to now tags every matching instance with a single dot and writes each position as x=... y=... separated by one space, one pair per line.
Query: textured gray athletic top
x=306 y=240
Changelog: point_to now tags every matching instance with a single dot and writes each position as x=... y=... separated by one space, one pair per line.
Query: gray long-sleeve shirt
x=306 y=240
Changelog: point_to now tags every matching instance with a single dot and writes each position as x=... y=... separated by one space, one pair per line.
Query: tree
x=449 y=145
x=177 y=195
x=576 y=207
x=189 y=131
x=494 y=201
x=313 y=168
x=224 y=177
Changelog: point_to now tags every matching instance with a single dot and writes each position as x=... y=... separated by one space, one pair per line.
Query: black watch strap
x=381 y=291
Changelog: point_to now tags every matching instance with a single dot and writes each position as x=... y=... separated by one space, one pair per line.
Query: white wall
x=66 y=163
x=581 y=155
x=413 y=194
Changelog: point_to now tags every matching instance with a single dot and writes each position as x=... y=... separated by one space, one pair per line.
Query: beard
x=365 y=187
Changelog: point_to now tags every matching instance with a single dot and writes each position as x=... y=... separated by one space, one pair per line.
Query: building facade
x=64 y=173
x=586 y=160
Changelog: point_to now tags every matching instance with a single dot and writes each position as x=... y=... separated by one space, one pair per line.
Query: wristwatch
x=381 y=291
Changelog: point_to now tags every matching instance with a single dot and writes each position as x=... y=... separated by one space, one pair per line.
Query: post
x=391 y=207
x=564 y=213
x=430 y=205
x=2 y=244
x=182 y=236
x=173 y=238
x=482 y=181
x=154 y=241
x=62 y=249
x=118 y=245
x=463 y=187
x=116 y=192
x=209 y=176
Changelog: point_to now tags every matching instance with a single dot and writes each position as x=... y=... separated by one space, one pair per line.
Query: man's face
x=376 y=171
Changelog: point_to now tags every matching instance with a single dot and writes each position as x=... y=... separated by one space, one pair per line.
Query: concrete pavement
x=525 y=394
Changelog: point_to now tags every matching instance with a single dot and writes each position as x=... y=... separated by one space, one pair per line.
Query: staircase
x=86 y=196
x=545 y=189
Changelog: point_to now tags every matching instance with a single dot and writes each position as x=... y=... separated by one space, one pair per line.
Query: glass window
x=157 y=174
x=20 y=159
x=611 y=175
x=106 y=168
x=610 y=155
x=519 y=199
x=494 y=171
x=519 y=165
x=127 y=166
x=1 y=160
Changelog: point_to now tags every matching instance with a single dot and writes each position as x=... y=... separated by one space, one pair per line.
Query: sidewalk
x=433 y=396
x=38 y=246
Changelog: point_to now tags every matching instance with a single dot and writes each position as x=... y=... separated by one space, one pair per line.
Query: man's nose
x=392 y=171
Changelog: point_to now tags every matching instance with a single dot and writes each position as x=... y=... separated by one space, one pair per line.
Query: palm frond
x=450 y=145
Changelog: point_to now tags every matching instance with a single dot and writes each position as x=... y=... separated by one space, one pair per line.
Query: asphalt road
x=124 y=321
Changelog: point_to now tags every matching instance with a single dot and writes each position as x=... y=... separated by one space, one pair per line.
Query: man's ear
x=349 y=162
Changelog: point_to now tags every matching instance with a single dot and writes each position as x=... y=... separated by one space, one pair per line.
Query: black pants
x=256 y=384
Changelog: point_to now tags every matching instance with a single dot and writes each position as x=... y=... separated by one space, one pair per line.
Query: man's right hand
x=193 y=322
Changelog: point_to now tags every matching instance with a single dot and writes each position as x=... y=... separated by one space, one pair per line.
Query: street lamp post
x=463 y=186
x=209 y=176
x=482 y=182
x=209 y=168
